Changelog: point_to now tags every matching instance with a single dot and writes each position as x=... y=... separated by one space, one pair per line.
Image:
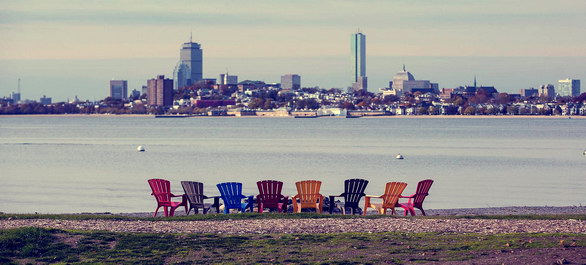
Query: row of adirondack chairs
x=270 y=197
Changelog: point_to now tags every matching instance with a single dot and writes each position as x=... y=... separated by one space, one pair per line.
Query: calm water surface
x=90 y=164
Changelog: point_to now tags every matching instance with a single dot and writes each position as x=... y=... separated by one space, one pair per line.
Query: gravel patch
x=482 y=226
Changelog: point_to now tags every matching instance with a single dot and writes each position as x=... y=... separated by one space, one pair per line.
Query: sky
x=65 y=48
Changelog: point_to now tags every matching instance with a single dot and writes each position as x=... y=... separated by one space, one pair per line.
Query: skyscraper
x=119 y=89
x=568 y=88
x=160 y=91
x=190 y=66
x=358 y=56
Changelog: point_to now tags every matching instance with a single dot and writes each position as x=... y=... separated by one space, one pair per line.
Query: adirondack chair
x=195 y=197
x=270 y=196
x=416 y=200
x=308 y=196
x=162 y=191
x=390 y=198
x=231 y=193
x=353 y=192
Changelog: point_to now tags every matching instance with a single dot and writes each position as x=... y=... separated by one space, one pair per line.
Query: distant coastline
x=320 y=117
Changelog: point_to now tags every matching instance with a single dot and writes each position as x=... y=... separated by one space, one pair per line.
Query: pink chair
x=416 y=200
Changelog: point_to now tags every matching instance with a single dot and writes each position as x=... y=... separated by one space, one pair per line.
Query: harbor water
x=91 y=164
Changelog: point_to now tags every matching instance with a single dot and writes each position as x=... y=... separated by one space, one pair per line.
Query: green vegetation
x=241 y=216
x=35 y=245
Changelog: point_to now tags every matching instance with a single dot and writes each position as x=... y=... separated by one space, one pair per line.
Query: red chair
x=162 y=191
x=270 y=196
x=416 y=200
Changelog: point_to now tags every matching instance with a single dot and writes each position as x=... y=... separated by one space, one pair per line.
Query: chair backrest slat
x=392 y=192
x=161 y=189
x=231 y=193
x=353 y=191
x=270 y=192
x=194 y=192
x=422 y=192
x=308 y=191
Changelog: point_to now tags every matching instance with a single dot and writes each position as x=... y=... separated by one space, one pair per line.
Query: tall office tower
x=160 y=91
x=547 y=91
x=358 y=56
x=119 y=89
x=568 y=87
x=190 y=66
x=226 y=79
x=291 y=81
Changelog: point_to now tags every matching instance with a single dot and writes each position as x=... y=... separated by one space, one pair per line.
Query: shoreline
x=320 y=117
x=482 y=211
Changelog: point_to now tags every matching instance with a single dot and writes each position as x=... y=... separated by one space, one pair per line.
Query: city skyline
x=87 y=43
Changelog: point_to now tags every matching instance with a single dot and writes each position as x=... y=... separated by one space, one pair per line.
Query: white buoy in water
x=399 y=156
x=140 y=148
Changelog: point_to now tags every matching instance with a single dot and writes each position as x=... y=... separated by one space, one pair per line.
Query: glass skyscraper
x=190 y=65
x=358 y=56
x=568 y=88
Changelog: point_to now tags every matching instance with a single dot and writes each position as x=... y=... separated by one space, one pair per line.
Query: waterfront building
x=531 y=92
x=291 y=81
x=404 y=82
x=45 y=100
x=160 y=91
x=547 y=91
x=226 y=79
x=145 y=90
x=189 y=69
x=119 y=89
x=568 y=88
x=358 y=58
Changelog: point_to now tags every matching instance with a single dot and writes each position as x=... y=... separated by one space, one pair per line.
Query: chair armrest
x=373 y=196
x=408 y=197
x=173 y=195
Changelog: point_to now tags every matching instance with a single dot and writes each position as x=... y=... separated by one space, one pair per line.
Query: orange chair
x=308 y=196
x=390 y=198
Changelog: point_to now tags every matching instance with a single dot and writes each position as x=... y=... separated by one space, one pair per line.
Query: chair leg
x=422 y=211
x=187 y=213
x=166 y=211
x=157 y=210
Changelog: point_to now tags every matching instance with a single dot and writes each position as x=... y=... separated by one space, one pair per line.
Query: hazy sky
x=86 y=30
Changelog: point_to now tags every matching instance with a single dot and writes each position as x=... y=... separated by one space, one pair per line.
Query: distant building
x=360 y=85
x=145 y=90
x=531 y=92
x=404 y=82
x=119 y=89
x=291 y=81
x=226 y=79
x=160 y=91
x=45 y=100
x=358 y=58
x=15 y=97
x=189 y=69
x=547 y=91
x=568 y=88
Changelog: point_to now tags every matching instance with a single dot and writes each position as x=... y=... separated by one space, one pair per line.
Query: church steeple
x=404 y=68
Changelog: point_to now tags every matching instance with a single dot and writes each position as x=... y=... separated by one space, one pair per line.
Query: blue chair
x=231 y=193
